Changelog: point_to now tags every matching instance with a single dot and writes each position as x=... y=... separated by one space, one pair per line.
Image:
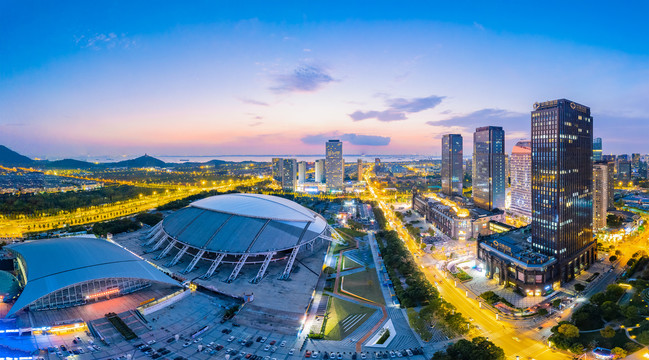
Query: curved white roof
x=244 y=223
x=53 y=264
x=257 y=206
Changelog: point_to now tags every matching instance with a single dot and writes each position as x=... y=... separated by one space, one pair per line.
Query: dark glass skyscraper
x=562 y=182
x=452 y=171
x=489 y=167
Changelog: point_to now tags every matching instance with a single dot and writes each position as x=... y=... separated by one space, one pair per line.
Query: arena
x=239 y=229
x=75 y=271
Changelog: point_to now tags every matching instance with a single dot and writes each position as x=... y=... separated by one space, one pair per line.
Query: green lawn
x=349 y=263
x=364 y=284
x=343 y=317
x=351 y=232
x=619 y=340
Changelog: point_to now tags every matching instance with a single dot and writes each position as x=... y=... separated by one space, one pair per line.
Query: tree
x=607 y=332
x=579 y=287
x=630 y=311
x=568 y=331
x=542 y=311
x=478 y=348
x=612 y=258
x=610 y=310
x=556 y=303
x=618 y=352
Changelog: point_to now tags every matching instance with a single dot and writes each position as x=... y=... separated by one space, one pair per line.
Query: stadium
x=67 y=272
x=242 y=230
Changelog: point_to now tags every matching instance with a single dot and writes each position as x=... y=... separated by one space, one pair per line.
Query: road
x=525 y=343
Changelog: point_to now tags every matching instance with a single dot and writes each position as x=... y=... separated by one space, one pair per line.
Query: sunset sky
x=84 y=78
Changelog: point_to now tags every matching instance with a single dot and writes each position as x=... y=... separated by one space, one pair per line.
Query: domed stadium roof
x=53 y=264
x=244 y=223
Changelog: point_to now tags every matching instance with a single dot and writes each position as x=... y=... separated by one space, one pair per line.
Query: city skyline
x=208 y=80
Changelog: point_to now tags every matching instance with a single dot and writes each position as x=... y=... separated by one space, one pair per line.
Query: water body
x=265 y=158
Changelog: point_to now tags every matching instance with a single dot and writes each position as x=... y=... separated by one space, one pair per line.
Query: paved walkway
x=360 y=342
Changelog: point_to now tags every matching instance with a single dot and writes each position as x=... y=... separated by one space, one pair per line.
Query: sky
x=263 y=77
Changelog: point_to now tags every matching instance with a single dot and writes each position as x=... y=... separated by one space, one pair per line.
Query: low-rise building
x=510 y=258
x=455 y=218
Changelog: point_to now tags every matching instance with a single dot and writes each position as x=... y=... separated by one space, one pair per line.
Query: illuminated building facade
x=562 y=182
x=456 y=222
x=597 y=149
x=635 y=163
x=559 y=242
x=277 y=169
x=334 y=166
x=602 y=192
x=452 y=172
x=521 y=177
x=489 y=167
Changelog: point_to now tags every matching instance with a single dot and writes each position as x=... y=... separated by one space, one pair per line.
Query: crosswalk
x=351 y=320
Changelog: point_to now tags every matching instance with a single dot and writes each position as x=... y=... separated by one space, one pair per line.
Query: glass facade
x=334 y=170
x=452 y=171
x=597 y=149
x=89 y=291
x=562 y=179
x=489 y=167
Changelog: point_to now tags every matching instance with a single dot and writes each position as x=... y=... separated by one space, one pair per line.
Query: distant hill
x=142 y=161
x=9 y=157
x=69 y=164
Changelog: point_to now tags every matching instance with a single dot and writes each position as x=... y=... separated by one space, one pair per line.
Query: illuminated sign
x=103 y=293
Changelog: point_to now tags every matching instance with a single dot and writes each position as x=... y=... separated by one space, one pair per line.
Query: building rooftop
x=53 y=264
x=516 y=245
x=244 y=223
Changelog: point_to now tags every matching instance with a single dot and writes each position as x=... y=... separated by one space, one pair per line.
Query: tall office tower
x=301 y=171
x=623 y=157
x=359 y=169
x=521 y=173
x=489 y=167
x=562 y=182
x=377 y=164
x=320 y=171
x=635 y=163
x=468 y=167
x=452 y=172
x=277 y=169
x=597 y=149
x=602 y=192
x=623 y=170
x=334 y=166
x=289 y=174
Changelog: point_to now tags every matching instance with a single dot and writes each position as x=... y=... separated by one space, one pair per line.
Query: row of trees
x=53 y=203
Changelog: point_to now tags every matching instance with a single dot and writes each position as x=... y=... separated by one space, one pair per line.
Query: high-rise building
x=489 y=167
x=521 y=175
x=277 y=169
x=289 y=174
x=597 y=149
x=602 y=192
x=452 y=172
x=635 y=163
x=562 y=182
x=359 y=169
x=320 y=171
x=334 y=166
x=623 y=170
x=301 y=171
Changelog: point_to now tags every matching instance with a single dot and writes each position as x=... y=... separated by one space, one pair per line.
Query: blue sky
x=84 y=78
